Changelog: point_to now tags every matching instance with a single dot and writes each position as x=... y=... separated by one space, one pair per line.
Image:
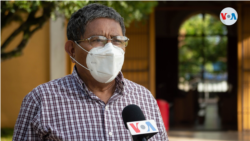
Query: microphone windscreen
x=132 y=113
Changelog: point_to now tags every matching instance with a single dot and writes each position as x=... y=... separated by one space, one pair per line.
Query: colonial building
x=151 y=59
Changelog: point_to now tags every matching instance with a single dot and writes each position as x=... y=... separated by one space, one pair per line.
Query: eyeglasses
x=97 y=41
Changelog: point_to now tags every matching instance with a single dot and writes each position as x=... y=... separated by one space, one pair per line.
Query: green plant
x=6 y=134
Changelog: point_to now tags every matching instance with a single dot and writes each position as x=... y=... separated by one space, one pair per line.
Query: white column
x=57 y=52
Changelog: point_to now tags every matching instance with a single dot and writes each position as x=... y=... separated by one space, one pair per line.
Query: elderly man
x=87 y=104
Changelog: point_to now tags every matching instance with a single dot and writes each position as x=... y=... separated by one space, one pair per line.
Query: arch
x=182 y=16
x=195 y=50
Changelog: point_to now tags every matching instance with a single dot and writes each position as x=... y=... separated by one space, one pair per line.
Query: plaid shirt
x=64 y=109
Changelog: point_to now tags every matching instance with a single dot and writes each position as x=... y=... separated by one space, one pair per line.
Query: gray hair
x=79 y=19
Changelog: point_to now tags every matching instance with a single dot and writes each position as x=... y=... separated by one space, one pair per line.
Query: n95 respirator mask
x=104 y=63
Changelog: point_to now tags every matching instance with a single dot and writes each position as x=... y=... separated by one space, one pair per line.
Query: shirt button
x=107 y=107
x=110 y=133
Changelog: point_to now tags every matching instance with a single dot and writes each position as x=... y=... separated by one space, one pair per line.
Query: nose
x=109 y=40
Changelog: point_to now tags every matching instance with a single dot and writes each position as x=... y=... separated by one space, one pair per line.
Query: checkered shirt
x=64 y=109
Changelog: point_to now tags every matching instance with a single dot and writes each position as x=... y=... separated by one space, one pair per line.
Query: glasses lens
x=120 y=41
x=98 y=41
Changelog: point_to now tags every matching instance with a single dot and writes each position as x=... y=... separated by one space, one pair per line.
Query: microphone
x=135 y=121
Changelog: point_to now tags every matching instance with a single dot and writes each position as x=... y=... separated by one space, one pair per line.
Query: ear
x=69 y=48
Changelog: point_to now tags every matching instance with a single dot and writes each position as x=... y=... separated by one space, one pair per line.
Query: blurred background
x=197 y=68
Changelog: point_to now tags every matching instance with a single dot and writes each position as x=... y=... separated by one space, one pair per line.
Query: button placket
x=109 y=130
x=107 y=108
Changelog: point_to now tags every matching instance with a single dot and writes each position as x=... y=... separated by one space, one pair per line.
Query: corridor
x=209 y=131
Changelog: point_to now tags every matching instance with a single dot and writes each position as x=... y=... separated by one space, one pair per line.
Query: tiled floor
x=208 y=136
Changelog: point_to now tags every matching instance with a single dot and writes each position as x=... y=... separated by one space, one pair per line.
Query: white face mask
x=104 y=63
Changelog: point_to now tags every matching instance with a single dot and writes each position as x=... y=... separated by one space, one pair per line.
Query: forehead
x=103 y=26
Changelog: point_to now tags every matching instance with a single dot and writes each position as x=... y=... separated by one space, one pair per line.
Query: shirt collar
x=76 y=76
x=119 y=81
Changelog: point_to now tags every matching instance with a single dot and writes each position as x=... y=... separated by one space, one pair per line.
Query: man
x=87 y=104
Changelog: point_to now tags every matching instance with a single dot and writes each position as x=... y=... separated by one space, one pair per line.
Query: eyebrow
x=104 y=36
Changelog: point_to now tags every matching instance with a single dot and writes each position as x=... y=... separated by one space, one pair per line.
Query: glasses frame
x=88 y=39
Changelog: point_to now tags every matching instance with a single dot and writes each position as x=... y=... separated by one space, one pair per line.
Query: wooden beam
x=182 y=8
x=239 y=95
x=152 y=53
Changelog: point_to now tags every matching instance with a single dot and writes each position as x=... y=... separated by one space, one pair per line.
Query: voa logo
x=141 y=127
x=228 y=16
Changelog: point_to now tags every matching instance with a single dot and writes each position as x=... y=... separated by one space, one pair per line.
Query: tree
x=29 y=24
x=203 y=45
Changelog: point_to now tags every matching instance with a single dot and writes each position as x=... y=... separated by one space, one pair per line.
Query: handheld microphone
x=135 y=121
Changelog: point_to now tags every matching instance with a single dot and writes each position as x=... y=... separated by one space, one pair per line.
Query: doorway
x=196 y=68
x=202 y=72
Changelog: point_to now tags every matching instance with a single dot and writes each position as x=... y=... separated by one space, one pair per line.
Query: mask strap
x=79 y=63
x=81 y=47
x=83 y=66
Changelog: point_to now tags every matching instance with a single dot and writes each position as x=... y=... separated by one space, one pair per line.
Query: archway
x=202 y=70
